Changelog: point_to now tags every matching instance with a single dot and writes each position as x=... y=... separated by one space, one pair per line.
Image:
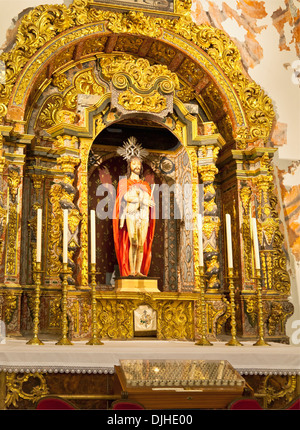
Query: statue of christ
x=133 y=221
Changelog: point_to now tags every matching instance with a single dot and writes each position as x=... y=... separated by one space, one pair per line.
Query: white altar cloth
x=17 y=356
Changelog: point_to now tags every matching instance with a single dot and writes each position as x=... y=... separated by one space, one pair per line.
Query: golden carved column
x=3 y=210
x=68 y=164
x=273 y=262
x=37 y=181
x=61 y=196
x=258 y=199
x=12 y=246
x=84 y=150
x=214 y=304
x=85 y=145
x=207 y=156
x=247 y=252
x=192 y=152
x=13 y=188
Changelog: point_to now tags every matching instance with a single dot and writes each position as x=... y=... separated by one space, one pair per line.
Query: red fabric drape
x=121 y=238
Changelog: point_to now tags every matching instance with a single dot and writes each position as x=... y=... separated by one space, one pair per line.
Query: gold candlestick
x=64 y=320
x=233 y=341
x=35 y=340
x=203 y=341
x=261 y=341
x=94 y=339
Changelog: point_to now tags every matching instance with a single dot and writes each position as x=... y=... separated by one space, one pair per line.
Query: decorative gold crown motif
x=132 y=149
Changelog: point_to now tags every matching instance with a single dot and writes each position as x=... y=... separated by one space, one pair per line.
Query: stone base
x=135 y=285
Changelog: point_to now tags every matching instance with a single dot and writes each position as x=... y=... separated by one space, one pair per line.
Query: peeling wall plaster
x=267 y=33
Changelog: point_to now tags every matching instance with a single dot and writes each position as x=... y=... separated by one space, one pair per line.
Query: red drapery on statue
x=121 y=238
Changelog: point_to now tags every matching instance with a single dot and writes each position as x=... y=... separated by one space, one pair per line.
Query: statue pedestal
x=135 y=285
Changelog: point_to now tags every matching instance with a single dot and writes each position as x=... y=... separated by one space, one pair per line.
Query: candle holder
x=203 y=341
x=94 y=339
x=233 y=341
x=64 y=320
x=35 y=340
x=261 y=341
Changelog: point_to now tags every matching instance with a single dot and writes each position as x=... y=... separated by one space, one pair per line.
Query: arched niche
x=172 y=251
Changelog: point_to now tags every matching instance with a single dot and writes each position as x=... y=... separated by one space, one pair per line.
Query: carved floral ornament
x=39 y=36
x=139 y=86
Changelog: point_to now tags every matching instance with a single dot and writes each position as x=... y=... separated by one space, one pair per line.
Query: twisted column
x=207 y=169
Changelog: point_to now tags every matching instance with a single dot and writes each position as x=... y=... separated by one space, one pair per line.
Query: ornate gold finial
x=132 y=149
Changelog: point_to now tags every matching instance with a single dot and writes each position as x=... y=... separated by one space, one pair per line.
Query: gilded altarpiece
x=86 y=70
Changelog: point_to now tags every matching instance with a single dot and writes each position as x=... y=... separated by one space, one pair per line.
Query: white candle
x=255 y=243
x=229 y=241
x=200 y=239
x=65 y=236
x=39 y=236
x=93 y=237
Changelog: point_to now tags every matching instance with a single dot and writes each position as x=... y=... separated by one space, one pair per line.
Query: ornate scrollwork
x=13 y=180
x=140 y=86
x=271 y=239
x=211 y=221
x=55 y=313
x=279 y=387
x=16 y=388
x=56 y=220
x=183 y=6
x=251 y=309
x=135 y=102
x=11 y=302
x=45 y=22
x=115 y=318
x=280 y=311
x=49 y=113
x=58 y=108
x=218 y=312
x=61 y=82
x=192 y=153
x=245 y=194
x=175 y=319
x=61 y=196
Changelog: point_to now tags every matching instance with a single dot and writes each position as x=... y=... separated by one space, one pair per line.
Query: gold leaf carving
x=13 y=181
x=175 y=320
x=70 y=98
x=61 y=82
x=10 y=306
x=74 y=220
x=45 y=22
x=49 y=112
x=141 y=73
x=153 y=102
x=60 y=109
x=17 y=386
x=85 y=83
x=94 y=45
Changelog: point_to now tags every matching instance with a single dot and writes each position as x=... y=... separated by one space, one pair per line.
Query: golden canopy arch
x=51 y=37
